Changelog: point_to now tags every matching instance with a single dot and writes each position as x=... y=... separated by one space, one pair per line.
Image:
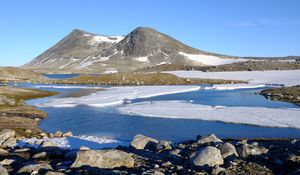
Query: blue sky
x=233 y=27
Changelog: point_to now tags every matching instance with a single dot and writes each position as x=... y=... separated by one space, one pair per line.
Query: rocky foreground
x=145 y=155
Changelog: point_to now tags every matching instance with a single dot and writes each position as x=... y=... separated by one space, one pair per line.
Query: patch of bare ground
x=287 y=94
x=134 y=79
x=258 y=65
x=14 y=114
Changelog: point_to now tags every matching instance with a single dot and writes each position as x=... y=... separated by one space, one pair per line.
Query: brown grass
x=140 y=79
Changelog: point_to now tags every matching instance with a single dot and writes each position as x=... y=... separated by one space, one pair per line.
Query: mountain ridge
x=85 y=52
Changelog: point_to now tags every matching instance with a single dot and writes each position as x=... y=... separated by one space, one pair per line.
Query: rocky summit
x=84 y=52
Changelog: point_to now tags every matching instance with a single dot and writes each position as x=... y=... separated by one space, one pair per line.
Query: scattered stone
x=140 y=142
x=218 y=170
x=53 y=173
x=3 y=152
x=6 y=134
x=58 y=134
x=163 y=145
x=68 y=134
x=34 y=167
x=250 y=150
x=209 y=156
x=7 y=162
x=28 y=131
x=104 y=159
x=3 y=171
x=11 y=142
x=46 y=144
x=39 y=155
x=209 y=139
x=22 y=150
x=227 y=149
x=84 y=148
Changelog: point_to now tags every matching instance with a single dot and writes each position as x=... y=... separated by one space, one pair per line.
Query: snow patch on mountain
x=211 y=60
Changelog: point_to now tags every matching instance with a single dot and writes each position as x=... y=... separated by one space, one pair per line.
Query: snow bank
x=75 y=142
x=110 y=71
x=210 y=59
x=142 y=59
x=272 y=117
x=100 y=39
x=235 y=86
x=283 y=77
x=116 y=95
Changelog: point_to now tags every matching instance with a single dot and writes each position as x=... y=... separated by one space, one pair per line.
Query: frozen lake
x=108 y=122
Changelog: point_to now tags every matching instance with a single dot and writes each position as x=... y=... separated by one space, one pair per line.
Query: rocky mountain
x=84 y=52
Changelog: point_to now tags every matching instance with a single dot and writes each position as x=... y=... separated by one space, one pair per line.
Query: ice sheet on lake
x=273 y=117
x=285 y=77
x=235 y=86
x=116 y=95
x=75 y=142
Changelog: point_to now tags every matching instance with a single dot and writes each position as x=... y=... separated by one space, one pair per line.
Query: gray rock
x=3 y=152
x=246 y=150
x=68 y=134
x=227 y=149
x=5 y=134
x=7 y=161
x=218 y=170
x=10 y=142
x=39 y=155
x=141 y=141
x=209 y=156
x=164 y=145
x=47 y=144
x=3 y=171
x=103 y=159
x=209 y=139
x=53 y=173
x=58 y=134
x=34 y=167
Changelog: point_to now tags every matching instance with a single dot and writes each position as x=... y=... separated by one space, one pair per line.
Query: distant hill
x=11 y=74
x=84 y=52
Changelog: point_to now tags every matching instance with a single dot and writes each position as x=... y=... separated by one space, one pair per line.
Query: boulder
x=58 y=134
x=164 y=145
x=10 y=142
x=68 y=134
x=227 y=149
x=207 y=156
x=208 y=139
x=140 y=142
x=3 y=152
x=246 y=150
x=103 y=159
x=47 y=144
x=7 y=162
x=53 y=173
x=34 y=167
x=3 y=171
x=6 y=134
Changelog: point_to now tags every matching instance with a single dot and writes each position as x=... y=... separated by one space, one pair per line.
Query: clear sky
x=233 y=27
